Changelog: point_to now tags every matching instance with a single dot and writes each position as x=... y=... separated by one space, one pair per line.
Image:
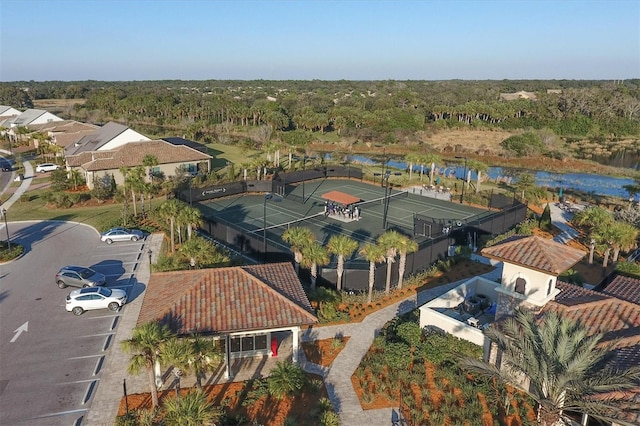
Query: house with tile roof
x=246 y=308
x=96 y=164
x=529 y=281
x=107 y=137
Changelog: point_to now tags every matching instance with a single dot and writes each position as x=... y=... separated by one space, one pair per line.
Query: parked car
x=121 y=234
x=46 y=167
x=79 y=276
x=87 y=299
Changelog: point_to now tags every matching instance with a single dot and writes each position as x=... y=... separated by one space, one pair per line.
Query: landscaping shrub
x=15 y=252
x=286 y=379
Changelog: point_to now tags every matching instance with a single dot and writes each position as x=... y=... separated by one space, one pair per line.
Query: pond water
x=585 y=182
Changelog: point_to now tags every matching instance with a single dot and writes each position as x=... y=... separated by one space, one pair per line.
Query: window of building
x=549 y=287
x=521 y=285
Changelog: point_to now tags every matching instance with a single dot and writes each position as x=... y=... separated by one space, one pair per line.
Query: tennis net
x=380 y=201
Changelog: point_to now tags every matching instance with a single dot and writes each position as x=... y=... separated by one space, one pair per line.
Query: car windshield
x=86 y=272
x=104 y=291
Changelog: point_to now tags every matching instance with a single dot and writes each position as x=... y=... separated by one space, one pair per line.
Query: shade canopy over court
x=340 y=197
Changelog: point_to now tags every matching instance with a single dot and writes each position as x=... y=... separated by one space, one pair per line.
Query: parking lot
x=50 y=360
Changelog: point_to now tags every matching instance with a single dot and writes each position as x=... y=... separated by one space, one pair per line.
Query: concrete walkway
x=559 y=219
x=337 y=377
x=24 y=186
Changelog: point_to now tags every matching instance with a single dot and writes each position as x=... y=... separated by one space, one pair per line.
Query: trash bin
x=19 y=177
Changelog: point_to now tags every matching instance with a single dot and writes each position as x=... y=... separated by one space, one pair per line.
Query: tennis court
x=259 y=216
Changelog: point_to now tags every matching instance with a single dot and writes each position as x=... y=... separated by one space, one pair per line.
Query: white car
x=46 y=167
x=87 y=299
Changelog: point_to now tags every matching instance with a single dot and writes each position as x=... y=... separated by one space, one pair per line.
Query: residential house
x=7 y=111
x=107 y=137
x=529 y=280
x=61 y=134
x=96 y=164
x=34 y=116
x=251 y=309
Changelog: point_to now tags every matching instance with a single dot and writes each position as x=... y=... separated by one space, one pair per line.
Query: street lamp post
x=6 y=226
x=267 y=197
x=387 y=194
x=304 y=165
x=464 y=178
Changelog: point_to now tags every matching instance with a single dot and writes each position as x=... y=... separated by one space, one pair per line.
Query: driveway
x=51 y=361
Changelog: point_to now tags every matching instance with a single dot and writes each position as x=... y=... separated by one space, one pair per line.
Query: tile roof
x=617 y=319
x=224 y=300
x=535 y=253
x=132 y=154
x=625 y=288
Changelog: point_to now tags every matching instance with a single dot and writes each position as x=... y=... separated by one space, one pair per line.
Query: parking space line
x=98 y=366
x=86 y=356
x=105 y=316
x=77 y=381
x=98 y=335
x=61 y=413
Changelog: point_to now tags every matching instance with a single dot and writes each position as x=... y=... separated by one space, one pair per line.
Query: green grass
x=101 y=217
x=232 y=153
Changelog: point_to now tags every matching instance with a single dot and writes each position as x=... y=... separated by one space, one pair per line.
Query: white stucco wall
x=123 y=138
x=537 y=283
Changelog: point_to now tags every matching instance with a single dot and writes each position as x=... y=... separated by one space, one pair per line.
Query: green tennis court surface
x=303 y=205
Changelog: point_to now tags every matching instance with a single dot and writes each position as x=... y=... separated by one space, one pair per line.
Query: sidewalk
x=24 y=186
x=106 y=401
x=337 y=377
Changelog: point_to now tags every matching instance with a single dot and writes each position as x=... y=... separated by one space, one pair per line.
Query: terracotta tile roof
x=132 y=154
x=617 y=319
x=224 y=300
x=625 y=288
x=535 y=253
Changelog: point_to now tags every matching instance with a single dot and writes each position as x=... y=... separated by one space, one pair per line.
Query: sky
x=125 y=40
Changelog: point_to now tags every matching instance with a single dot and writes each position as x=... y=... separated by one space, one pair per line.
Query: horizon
x=279 y=40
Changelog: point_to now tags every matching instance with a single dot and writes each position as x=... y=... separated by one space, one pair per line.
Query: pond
x=585 y=182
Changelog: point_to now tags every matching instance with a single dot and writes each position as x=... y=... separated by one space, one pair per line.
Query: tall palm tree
x=193 y=409
x=390 y=241
x=406 y=245
x=169 y=210
x=565 y=368
x=177 y=352
x=592 y=217
x=412 y=158
x=431 y=159
x=146 y=345
x=150 y=161
x=76 y=178
x=343 y=247
x=314 y=255
x=373 y=253
x=298 y=237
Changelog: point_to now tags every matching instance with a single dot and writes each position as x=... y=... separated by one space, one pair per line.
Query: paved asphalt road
x=51 y=360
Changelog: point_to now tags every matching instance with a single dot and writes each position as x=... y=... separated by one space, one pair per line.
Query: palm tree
x=76 y=178
x=431 y=159
x=412 y=158
x=406 y=245
x=146 y=345
x=343 y=247
x=285 y=379
x=199 y=251
x=206 y=355
x=298 y=237
x=373 y=253
x=624 y=237
x=150 y=161
x=592 y=217
x=565 y=368
x=314 y=255
x=169 y=210
x=479 y=167
x=176 y=351
x=390 y=241
x=193 y=218
x=193 y=409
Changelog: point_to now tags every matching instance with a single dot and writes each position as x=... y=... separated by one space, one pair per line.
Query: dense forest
x=389 y=112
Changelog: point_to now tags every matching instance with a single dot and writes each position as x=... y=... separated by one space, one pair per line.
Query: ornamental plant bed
x=264 y=410
x=323 y=352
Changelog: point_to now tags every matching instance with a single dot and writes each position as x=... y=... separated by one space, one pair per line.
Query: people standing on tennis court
x=356 y=212
x=326 y=208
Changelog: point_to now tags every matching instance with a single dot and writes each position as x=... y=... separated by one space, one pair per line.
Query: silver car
x=87 y=299
x=46 y=167
x=79 y=276
x=121 y=234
